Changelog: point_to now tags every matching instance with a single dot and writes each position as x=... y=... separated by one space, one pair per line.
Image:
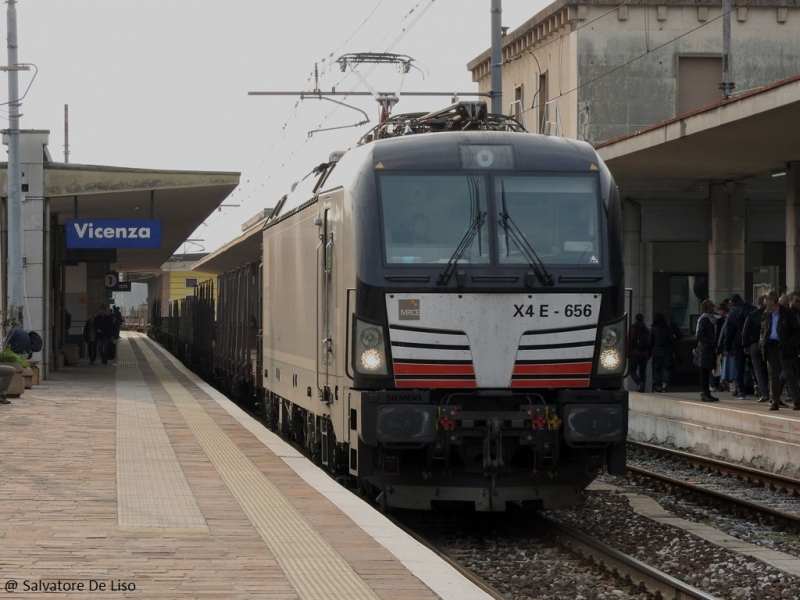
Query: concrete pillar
x=633 y=252
x=648 y=264
x=793 y=226
x=32 y=153
x=33 y=214
x=726 y=248
x=638 y=261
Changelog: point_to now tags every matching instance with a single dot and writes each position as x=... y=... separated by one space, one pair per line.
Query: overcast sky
x=163 y=84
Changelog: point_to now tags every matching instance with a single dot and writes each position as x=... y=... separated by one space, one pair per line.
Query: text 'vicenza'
x=84 y=230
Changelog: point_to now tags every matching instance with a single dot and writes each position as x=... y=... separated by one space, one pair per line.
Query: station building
x=711 y=184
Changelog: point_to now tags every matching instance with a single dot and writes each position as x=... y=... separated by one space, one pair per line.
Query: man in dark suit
x=104 y=332
x=780 y=339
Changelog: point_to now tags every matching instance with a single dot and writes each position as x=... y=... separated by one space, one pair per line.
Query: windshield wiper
x=466 y=241
x=521 y=242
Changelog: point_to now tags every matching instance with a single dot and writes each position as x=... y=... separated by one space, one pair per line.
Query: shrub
x=8 y=355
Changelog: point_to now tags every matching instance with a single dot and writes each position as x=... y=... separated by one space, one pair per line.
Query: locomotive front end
x=488 y=336
x=487 y=407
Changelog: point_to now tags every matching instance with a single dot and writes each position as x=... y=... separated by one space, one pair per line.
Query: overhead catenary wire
x=244 y=194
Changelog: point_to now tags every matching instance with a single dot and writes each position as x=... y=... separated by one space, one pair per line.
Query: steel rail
x=771 y=480
x=740 y=472
x=654 y=581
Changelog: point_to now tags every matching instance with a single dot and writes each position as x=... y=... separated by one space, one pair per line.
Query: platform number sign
x=111 y=280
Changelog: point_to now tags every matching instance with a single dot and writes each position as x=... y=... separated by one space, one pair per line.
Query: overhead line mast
x=15 y=241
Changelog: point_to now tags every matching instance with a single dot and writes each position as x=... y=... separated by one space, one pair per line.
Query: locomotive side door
x=332 y=406
x=325 y=302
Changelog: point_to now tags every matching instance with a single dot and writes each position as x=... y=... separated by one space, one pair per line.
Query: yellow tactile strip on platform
x=312 y=566
x=152 y=490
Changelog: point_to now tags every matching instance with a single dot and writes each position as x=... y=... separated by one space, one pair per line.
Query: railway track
x=633 y=577
x=740 y=473
x=644 y=577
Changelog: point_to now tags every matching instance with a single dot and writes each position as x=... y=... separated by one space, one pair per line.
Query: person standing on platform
x=662 y=351
x=726 y=371
x=90 y=337
x=638 y=352
x=752 y=347
x=733 y=348
x=104 y=330
x=780 y=340
x=705 y=353
x=116 y=318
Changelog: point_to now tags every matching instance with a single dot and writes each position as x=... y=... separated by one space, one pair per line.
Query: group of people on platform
x=738 y=346
x=100 y=332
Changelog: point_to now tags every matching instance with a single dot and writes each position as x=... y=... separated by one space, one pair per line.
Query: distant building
x=595 y=70
x=176 y=280
x=705 y=157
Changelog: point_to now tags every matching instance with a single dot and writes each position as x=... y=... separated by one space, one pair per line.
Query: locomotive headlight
x=370 y=337
x=611 y=360
x=369 y=348
x=371 y=360
x=610 y=337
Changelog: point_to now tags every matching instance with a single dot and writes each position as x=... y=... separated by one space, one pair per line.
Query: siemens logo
x=106 y=233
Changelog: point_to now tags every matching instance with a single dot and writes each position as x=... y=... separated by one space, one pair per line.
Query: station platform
x=742 y=431
x=139 y=480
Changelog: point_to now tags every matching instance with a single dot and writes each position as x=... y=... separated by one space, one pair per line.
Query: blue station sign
x=113 y=233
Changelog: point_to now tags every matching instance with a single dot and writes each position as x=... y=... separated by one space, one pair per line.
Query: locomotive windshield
x=432 y=219
x=427 y=217
x=557 y=215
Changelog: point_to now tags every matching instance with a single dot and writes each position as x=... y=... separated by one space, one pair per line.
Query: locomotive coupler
x=493 y=446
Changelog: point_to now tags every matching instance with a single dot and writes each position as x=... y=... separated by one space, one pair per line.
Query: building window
x=541 y=102
x=191 y=282
x=518 y=106
x=699 y=78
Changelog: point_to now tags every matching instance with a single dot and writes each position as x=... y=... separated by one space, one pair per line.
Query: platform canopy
x=182 y=200
x=242 y=250
x=747 y=139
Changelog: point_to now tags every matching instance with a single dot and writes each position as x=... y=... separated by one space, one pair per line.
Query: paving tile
x=103 y=478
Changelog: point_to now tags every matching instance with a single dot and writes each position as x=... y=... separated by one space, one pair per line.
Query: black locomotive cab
x=488 y=331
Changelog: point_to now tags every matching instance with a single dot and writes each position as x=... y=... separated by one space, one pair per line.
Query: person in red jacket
x=638 y=352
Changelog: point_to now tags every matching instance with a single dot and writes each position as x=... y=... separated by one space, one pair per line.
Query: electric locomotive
x=443 y=314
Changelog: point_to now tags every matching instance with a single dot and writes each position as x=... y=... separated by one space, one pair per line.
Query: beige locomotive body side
x=307 y=274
